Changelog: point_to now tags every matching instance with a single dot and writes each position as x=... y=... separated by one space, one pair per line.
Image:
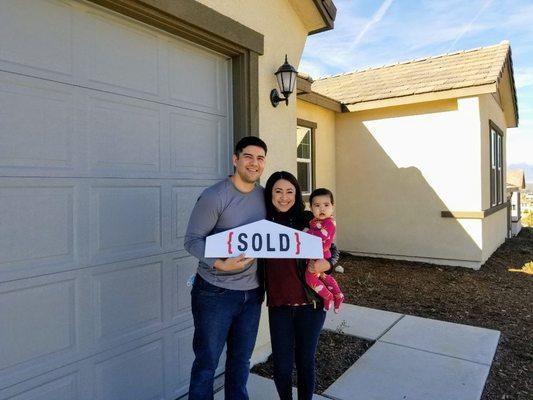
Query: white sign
x=264 y=239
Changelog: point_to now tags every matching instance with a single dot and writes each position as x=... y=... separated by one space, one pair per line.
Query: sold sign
x=263 y=239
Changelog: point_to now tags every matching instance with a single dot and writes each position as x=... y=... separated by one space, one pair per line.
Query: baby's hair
x=321 y=192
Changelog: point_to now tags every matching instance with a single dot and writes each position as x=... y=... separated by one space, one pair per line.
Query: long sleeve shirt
x=219 y=208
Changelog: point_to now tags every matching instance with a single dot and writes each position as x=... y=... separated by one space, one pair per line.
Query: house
x=516 y=183
x=415 y=153
x=114 y=116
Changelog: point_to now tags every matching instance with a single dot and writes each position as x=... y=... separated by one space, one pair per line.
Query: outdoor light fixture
x=286 y=76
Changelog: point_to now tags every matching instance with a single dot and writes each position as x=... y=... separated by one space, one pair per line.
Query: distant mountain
x=528 y=170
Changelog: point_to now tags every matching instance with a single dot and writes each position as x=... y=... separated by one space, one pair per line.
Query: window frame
x=312 y=170
x=496 y=165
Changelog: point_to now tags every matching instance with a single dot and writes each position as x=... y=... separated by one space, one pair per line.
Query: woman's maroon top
x=283 y=285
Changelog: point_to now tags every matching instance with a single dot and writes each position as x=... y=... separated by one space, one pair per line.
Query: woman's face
x=283 y=195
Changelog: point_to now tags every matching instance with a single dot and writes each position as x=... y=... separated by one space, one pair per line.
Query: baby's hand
x=306 y=229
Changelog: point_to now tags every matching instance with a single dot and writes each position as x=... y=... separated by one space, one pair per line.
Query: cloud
x=376 y=18
x=523 y=77
x=468 y=26
x=389 y=35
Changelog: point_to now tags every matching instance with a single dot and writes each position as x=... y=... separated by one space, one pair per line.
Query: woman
x=296 y=313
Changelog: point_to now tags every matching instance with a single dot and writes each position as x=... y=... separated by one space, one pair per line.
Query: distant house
x=516 y=183
x=415 y=152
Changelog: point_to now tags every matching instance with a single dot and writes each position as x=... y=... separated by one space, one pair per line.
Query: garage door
x=109 y=130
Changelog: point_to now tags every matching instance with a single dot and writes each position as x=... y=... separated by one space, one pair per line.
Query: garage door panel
x=124 y=376
x=121 y=54
x=124 y=135
x=184 y=268
x=125 y=219
x=198 y=144
x=44 y=306
x=183 y=200
x=36 y=35
x=37 y=224
x=199 y=78
x=36 y=123
x=183 y=344
x=127 y=299
x=46 y=388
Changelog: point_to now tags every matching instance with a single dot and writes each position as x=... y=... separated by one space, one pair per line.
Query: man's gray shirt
x=219 y=208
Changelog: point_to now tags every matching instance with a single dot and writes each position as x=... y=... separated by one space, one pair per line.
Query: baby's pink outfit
x=324 y=285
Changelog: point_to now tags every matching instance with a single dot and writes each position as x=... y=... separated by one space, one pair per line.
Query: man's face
x=249 y=165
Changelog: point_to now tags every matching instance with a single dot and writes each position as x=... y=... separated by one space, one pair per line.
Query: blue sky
x=370 y=33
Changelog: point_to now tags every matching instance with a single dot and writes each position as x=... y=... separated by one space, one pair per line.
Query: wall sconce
x=286 y=76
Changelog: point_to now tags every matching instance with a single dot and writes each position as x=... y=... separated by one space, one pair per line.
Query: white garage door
x=109 y=130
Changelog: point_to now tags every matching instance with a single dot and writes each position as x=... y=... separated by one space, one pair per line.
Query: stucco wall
x=495 y=225
x=324 y=142
x=398 y=168
x=494 y=233
x=284 y=33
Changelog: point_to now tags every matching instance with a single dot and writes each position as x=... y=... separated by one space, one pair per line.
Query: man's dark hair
x=249 y=141
x=321 y=192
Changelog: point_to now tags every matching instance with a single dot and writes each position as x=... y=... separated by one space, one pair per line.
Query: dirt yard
x=498 y=296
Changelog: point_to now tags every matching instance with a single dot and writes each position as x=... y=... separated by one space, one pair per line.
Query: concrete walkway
x=412 y=358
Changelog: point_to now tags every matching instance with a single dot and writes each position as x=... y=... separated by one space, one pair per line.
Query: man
x=226 y=298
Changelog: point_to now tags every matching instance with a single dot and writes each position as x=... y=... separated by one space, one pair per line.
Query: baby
x=323 y=226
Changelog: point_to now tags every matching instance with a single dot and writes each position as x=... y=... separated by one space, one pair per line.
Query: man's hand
x=233 y=263
x=318 y=266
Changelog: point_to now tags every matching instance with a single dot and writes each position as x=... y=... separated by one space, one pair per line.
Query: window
x=304 y=158
x=496 y=166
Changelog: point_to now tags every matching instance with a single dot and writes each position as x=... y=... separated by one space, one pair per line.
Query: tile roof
x=458 y=70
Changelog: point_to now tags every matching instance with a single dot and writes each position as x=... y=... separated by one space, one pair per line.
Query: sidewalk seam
x=390 y=327
x=438 y=354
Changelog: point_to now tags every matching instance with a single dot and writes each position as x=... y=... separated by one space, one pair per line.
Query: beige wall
x=284 y=33
x=494 y=233
x=398 y=168
x=324 y=142
x=495 y=225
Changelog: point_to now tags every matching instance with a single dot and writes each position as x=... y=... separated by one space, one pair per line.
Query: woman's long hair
x=299 y=206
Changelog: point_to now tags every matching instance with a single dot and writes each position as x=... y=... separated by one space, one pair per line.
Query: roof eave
x=328 y=12
x=321 y=101
x=422 y=97
x=509 y=91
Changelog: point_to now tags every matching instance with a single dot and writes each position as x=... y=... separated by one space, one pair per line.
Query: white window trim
x=308 y=160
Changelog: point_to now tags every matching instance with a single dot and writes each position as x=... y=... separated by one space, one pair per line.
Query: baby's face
x=322 y=207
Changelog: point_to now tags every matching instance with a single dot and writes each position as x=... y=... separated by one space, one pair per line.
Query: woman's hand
x=318 y=266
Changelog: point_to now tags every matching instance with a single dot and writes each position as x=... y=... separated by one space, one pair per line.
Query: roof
x=483 y=68
x=305 y=92
x=318 y=15
x=516 y=178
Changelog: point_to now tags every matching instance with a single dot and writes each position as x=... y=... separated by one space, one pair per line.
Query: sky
x=371 y=33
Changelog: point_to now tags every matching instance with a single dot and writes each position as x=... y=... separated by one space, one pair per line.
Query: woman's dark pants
x=294 y=333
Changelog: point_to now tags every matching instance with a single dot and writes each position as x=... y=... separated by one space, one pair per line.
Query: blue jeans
x=294 y=332
x=223 y=316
